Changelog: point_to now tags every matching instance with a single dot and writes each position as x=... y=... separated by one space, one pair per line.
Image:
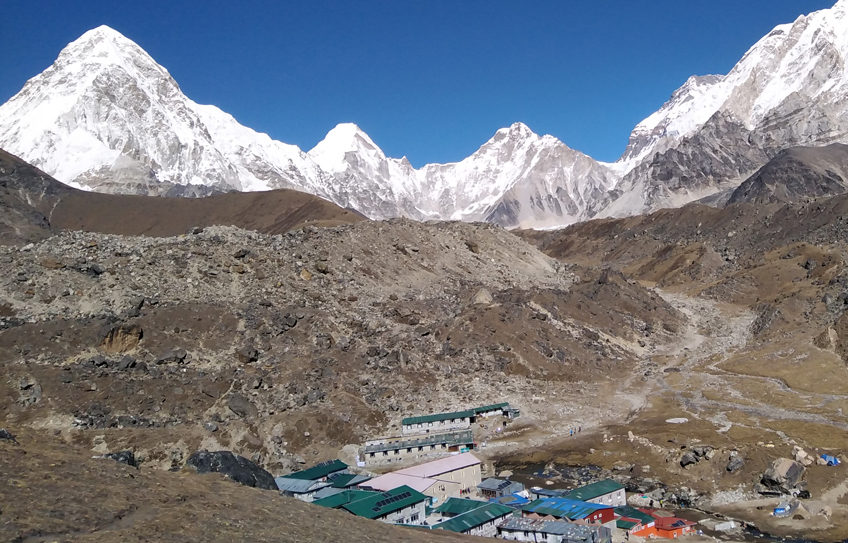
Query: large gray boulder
x=784 y=475
x=237 y=468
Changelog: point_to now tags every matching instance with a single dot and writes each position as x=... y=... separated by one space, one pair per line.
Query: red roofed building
x=666 y=527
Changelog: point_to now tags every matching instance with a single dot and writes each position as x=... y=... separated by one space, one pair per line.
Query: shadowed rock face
x=795 y=174
x=237 y=468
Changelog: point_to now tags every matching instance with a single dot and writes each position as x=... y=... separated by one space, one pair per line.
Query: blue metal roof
x=563 y=508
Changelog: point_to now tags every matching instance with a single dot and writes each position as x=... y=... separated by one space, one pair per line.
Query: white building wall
x=614 y=499
x=404 y=516
x=437 y=426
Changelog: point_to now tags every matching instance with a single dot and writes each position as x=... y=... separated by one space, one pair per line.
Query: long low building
x=556 y=531
x=571 y=510
x=441 y=422
x=389 y=450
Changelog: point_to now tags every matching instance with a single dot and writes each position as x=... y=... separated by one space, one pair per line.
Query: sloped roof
x=436 y=417
x=671 y=523
x=381 y=504
x=343 y=498
x=563 y=508
x=345 y=480
x=458 y=506
x=474 y=518
x=493 y=484
x=631 y=512
x=594 y=490
x=625 y=524
x=442 y=465
x=318 y=471
x=493 y=407
x=299 y=486
x=556 y=527
x=393 y=480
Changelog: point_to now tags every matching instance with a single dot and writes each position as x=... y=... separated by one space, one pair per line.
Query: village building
x=395 y=450
x=457 y=506
x=632 y=520
x=441 y=422
x=437 y=489
x=542 y=531
x=343 y=497
x=482 y=521
x=492 y=488
x=570 y=510
x=666 y=527
x=403 y=505
x=606 y=492
x=539 y=493
x=302 y=489
x=437 y=422
x=463 y=469
x=347 y=480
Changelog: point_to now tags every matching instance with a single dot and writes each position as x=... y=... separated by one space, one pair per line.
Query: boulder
x=235 y=467
x=247 y=354
x=688 y=459
x=7 y=435
x=482 y=297
x=783 y=475
x=735 y=462
x=123 y=457
x=173 y=356
x=29 y=391
x=242 y=407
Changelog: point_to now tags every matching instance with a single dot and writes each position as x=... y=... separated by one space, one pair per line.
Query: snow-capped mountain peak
x=105 y=116
x=344 y=138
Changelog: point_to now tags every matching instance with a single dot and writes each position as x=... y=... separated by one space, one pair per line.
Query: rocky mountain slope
x=105 y=116
x=796 y=174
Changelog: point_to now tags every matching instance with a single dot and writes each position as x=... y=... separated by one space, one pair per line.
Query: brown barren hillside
x=34 y=204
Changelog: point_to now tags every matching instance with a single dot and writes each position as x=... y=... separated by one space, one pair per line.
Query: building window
x=414 y=517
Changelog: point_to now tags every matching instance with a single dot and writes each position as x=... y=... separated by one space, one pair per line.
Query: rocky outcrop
x=797 y=174
x=237 y=468
x=783 y=476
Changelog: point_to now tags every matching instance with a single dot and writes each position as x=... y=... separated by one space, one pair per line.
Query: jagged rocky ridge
x=105 y=116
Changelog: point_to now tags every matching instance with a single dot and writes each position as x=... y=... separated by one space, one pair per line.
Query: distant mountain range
x=106 y=117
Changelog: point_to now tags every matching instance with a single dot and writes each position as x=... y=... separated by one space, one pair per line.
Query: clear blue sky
x=431 y=80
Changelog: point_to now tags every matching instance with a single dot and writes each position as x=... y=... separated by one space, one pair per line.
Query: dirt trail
x=714 y=332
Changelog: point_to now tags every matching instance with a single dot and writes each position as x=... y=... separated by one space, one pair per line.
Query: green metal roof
x=492 y=407
x=474 y=518
x=590 y=492
x=626 y=524
x=458 y=506
x=343 y=498
x=318 y=471
x=436 y=417
x=345 y=480
x=382 y=504
x=632 y=512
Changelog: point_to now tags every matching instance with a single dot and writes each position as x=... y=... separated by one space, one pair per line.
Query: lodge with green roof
x=439 y=422
x=319 y=472
x=401 y=505
x=482 y=521
x=606 y=492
